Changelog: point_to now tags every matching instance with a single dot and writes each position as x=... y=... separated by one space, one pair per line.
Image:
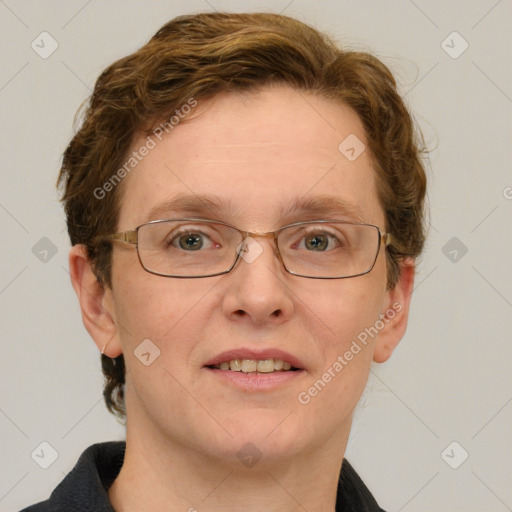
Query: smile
x=254 y=365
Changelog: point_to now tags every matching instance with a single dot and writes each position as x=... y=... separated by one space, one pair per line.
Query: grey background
x=449 y=380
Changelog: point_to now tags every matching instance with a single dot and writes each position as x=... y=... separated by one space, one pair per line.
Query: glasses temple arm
x=129 y=237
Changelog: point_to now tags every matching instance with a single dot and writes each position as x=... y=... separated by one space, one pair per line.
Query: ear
x=395 y=313
x=96 y=303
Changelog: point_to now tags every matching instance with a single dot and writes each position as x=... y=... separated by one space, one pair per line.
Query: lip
x=248 y=382
x=258 y=354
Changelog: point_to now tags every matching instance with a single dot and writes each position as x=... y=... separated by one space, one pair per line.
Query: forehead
x=255 y=158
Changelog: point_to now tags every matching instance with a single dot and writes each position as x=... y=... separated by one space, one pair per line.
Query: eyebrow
x=325 y=206
x=206 y=205
x=201 y=205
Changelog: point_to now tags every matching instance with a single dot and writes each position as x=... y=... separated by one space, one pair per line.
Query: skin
x=260 y=151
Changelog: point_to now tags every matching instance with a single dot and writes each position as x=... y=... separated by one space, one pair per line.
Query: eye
x=319 y=242
x=191 y=241
x=316 y=242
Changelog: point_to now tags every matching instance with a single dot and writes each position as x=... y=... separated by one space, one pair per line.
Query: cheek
x=172 y=314
x=341 y=318
x=342 y=309
x=166 y=311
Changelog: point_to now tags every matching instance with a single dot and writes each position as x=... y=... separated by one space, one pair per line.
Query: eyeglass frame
x=131 y=237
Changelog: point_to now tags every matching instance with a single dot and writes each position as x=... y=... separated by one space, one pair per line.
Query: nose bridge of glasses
x=258 y=234
x=254 y=235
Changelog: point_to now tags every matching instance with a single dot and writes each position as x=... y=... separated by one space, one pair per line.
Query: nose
x=257 y=290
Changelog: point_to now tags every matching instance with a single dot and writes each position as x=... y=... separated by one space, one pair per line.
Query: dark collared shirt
x=85 y=488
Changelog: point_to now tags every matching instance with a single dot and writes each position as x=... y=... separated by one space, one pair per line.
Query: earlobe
x=95 y=303
x=395 y=313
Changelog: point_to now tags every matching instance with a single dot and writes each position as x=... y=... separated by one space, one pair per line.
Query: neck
x=168 y=476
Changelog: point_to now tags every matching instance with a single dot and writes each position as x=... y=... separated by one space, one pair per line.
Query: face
x=252 y=161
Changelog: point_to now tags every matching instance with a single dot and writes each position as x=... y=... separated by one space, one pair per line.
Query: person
x=245 y=203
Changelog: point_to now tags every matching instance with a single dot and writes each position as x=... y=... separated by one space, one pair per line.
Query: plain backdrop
x=446 y=393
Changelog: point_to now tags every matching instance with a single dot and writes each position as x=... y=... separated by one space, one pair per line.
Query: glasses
x=192 y=248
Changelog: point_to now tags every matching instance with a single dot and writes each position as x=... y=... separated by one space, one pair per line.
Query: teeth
x=265 y=366
x=235 y=365
x=249 y=365
x=253 y=365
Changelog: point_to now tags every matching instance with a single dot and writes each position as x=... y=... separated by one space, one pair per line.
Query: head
x=243 y=117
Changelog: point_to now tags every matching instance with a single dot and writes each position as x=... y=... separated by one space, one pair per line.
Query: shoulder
x=86 y=485
x=353 y=495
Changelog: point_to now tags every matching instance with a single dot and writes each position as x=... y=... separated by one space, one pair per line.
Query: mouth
x=255 y=366
x=255 y=370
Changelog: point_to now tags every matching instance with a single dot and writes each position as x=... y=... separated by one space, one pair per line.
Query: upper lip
x=258 y=354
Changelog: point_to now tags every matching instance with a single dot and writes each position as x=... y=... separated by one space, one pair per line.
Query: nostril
x=241 y=313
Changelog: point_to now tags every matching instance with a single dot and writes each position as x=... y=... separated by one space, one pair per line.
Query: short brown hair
x=201 y=55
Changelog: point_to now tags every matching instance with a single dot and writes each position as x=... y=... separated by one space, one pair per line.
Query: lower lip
x=256 y=381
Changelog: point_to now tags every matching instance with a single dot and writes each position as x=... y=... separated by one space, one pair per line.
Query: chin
x=263 y=435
